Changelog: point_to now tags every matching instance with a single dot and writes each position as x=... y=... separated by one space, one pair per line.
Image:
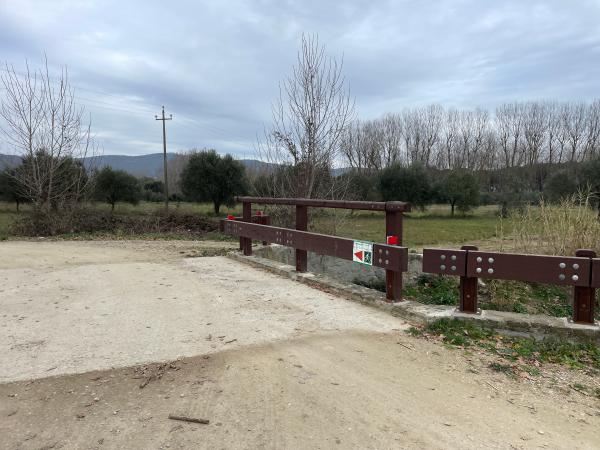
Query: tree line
x=516 y=135
x=205 y=177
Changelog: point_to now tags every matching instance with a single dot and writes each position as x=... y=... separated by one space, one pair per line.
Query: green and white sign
x=362 y=252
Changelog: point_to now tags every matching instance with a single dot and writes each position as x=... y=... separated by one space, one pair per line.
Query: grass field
x=433 y=226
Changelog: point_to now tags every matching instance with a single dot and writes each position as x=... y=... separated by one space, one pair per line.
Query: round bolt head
x=490 y=270
x=574 y=278
x=453 y=268
x=453 y=257
x=442 y=257
x=479 y=259
x=575 y=266
x=443 y=267
x=491 y=260
x=478 y=270
x=562 y=265
x=379 y=260
x=561 y=277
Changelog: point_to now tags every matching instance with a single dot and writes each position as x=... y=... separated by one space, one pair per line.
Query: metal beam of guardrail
x=581 y=271
x=389 y=257
x=393 y=228
x=317 y=203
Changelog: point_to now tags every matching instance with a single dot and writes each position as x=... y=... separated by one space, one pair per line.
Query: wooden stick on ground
x=189 y=419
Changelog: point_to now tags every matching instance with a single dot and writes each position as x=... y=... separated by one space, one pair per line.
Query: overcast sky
x=216 y=65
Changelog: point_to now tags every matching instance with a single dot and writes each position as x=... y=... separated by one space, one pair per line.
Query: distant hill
x=141 y=166
x=7 y=161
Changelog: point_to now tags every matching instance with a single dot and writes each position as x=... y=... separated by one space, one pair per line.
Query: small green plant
x=528 y=353
x=503 y=368
x=457 y=332
x=413 y=331
x=434 y=290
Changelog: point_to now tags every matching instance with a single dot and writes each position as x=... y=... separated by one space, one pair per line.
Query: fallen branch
x=491 y=385
x=189 y=419
x=406 y=346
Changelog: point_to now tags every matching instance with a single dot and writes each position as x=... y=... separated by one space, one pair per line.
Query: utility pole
x=164 y=119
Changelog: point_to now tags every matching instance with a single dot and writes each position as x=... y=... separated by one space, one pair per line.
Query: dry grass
x=558 y=229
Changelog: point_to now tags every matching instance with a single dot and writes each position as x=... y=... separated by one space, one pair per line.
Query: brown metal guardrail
x=390 y=256
x=581 y=271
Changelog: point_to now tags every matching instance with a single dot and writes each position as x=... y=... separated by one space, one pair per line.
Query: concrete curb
x=539 y=327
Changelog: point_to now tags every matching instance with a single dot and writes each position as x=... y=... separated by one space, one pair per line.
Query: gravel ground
x=101 y=341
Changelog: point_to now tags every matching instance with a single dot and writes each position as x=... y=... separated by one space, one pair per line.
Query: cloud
x=216 y=65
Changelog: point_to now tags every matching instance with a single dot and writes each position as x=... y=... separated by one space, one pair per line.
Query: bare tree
x=174 y=170
x=535 y=127
x=509 y=125
x=45 y=126
x=573 y=116
x=309 y=120
x=592 y=137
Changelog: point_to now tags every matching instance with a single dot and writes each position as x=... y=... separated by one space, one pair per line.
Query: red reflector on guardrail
x=392 y=240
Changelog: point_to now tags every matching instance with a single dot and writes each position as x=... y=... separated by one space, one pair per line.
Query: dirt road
x=271 y=363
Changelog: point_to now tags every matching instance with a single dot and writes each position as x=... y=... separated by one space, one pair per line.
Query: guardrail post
x=468 y=287
x=246 y=242
x=393 y=280
x=265 y=220
x=302 y=225
x=584 y=297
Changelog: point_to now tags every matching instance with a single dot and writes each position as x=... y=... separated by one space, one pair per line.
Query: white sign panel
x=362 y=252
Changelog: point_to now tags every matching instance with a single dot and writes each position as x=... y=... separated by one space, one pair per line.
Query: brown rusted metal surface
x=316 y=203
x=467 y=302
x=302 y=225
x=393 y=280
x=562 y=270
x=596 y=272
x=445 y=261
x=246 y=241
x=386 y=256
x=584 y=298
x=468 y=295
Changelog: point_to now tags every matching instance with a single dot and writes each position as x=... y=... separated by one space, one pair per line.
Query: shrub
x=85 y=220
x=408 y=184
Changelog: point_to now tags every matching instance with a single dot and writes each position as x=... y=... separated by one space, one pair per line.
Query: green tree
x=10 y=191
x=209 y=177
x=409 y=184
x=461 y=189
x=114 y=186
x=590 y=176
x=560 y=184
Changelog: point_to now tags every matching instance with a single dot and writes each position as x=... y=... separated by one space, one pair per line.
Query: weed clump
x=522 y=354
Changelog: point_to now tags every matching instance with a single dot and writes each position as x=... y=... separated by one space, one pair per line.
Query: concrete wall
x=340 y=269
